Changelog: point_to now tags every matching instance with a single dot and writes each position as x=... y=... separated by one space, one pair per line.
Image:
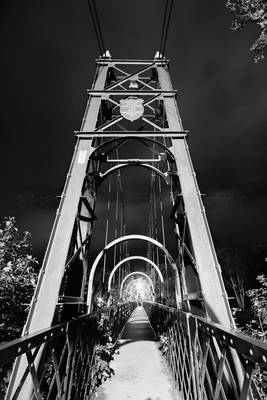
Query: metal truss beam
x=165 y=93
x=119 y=61
x=129 y=76
x=133 y=134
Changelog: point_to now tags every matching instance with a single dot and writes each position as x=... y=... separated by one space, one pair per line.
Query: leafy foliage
x=101 y=369
x=254 y=12
x=18 y=276
x=103 y=354
x=163 y=344
x=257 y=327
x=258 y=297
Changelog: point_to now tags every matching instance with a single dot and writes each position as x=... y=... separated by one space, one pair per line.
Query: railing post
x=192 y=334
x=71 y=342
x=220 y=374
x=246 y=387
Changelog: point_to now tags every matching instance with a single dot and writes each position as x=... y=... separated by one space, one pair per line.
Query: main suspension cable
x=97 y=26
x=165 y=26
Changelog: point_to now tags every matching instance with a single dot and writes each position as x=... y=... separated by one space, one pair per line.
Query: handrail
x=257 y=350
x=16 y=347
x=64 y=347
x=200 y=355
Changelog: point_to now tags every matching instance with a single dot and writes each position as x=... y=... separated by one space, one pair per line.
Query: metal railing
x=66 y=356
x=202 y=356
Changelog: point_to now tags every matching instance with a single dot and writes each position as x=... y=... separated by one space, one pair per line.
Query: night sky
x=48 y=50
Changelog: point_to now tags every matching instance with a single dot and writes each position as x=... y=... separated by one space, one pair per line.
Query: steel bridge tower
x=131 y=103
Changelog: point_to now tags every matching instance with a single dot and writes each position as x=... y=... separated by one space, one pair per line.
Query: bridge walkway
x=140 y=371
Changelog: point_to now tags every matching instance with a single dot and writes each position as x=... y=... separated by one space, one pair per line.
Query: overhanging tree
x=251 y=12
x=18 y=277
x=258 y=298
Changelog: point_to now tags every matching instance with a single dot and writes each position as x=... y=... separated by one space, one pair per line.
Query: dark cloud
x=48 y=52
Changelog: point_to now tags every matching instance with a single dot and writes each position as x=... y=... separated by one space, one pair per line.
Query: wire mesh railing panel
x=59 y=361
x=208 y=361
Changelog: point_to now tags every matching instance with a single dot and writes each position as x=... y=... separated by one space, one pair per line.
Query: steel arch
x=135 y=164
x=132 y=137
x=123 y=239
x=129 y=259
x=133 y=273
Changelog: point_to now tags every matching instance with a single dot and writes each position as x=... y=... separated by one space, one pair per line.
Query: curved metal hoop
x=123 y=239
x=148 y=166
x=133 y=273
x=107 y=142
x=129 y=259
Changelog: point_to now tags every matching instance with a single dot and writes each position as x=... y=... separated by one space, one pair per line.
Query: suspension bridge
x=146 y=270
